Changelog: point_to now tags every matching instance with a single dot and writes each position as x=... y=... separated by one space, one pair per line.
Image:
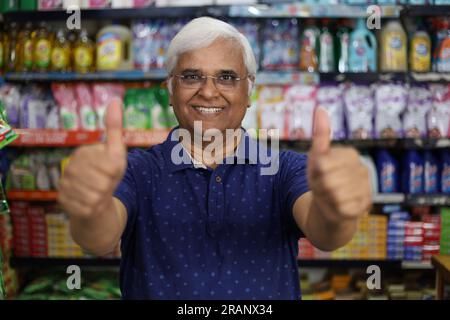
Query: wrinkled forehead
x=221 y=54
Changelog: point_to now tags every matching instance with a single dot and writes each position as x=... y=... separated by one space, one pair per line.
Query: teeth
x=208 y=109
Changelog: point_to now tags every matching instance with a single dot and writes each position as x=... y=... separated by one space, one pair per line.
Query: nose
x=208 y=89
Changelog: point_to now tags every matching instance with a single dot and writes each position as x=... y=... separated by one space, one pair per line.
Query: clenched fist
x=94 y=172
x=338 y=179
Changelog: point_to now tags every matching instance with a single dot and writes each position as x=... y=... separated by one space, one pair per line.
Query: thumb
x=113 y=124
x=321 y=132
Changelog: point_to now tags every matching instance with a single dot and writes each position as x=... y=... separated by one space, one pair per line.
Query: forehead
x=222 y=54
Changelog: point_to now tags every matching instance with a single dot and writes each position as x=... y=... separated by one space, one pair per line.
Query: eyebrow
x=222 y=71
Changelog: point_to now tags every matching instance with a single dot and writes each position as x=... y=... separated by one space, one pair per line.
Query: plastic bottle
x=114 y=50
x=326 y=50
x=309 y=47
x=445 y=171
x=413 y=170
x=431 y=173
x=11 y=48
x=42 y=48
x=388 y=172
x=26 y=49
x=393 y=53
x=363 y=49
x=343 y=36
x=60 y=57
x=443 y=48
x=83 y=53
x=2 y=50
x=420 y=50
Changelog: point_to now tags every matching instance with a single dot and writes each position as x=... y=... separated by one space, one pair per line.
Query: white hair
x=200 y=33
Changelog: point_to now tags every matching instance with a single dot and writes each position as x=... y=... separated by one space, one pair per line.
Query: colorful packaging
x=439 y=116
x=420 y=51
x=10 y=96
x=300 y=104
x=388 y=172
x=431 y=173
x=137 y=109
x=445 y=171
x=85 y=101
x=359 y=108
x=114 y=51
x=280 y=47
x=309 y=47
x=390 y=101
x=103 y=94
x=250 y=29
x=7 y=135
x=363 y=49
x=393 y=55
x=272 y=107
x=34 y=109
x=414 y=119
x=413 y=172
x=64 y=95
x=330 y=98
x=443 y=53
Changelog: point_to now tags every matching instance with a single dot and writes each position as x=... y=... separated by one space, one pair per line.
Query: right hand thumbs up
x=94 y=171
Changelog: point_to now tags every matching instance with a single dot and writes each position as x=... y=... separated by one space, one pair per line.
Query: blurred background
x=386 y=91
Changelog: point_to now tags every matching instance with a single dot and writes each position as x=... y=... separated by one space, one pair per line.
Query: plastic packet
x=271 y=106
x=137 y=109
x=10 y=95
x=21 y=173
x=7 y=134
x=330 y=98
x=88 y=118
x=103 y=94
x=41 y=171
x=439 y=116
x=390 y=101
x=281 y=45
x=300 y=104
x=359 y=106
x=414 y=119
x=64 y=95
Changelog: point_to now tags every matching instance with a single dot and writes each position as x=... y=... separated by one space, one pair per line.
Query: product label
x=445 y=179
x=88 y=118
x=396 y=43
x=59 y=58
x=415 y=182
x=28 y=53
x=109 y=52
x=43 y=53
x=421 y=59
x=387 y=178
x=83 y=57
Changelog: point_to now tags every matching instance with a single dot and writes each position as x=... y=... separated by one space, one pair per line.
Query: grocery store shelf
x=65 y=138
x=348 y=263
x=37 y=262
x=388 y=198
x=427 y=200
x=302 y=10
x=37 y=195
x=426 y=10
x=133 y=75
x=408 y=143
x=417 y=265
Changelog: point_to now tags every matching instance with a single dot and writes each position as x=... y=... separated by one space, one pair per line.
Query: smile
x=211 y=109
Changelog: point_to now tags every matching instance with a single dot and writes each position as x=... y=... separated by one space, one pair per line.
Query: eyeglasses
x=225 y=82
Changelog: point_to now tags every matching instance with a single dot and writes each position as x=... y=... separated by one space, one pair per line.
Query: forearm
x=327 y=235
x=99 y=234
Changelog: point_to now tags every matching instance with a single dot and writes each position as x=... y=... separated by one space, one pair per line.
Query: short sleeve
x=127 y=189
x=293 y=183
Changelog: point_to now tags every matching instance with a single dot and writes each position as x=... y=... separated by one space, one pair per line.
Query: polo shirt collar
x=246 y=152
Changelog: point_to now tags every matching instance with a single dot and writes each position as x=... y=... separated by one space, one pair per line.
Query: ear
x=169 y=86
x=250 y=86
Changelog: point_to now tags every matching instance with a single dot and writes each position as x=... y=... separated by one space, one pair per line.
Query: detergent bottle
x=420 y=50
x=393 y=53
x=309 y=48
x=343 y=43
x=114 y=48
x=26 y=49
x=326 y=49
x=443 y=48
x=363 y=49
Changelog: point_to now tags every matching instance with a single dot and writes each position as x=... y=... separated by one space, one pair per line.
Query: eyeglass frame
x=214 y=78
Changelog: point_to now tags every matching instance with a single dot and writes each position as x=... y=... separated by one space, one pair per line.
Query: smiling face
x=215 y=108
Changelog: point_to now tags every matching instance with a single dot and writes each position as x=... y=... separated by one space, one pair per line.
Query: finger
x=321 y=132
x=337 y=159
x=113 y=124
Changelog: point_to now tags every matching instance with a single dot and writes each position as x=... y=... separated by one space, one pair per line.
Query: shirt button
x=218 y=179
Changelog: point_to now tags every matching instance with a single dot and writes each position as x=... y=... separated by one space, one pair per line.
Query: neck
x=212 y=150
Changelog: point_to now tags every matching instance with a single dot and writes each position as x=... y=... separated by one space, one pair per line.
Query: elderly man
x=202 y=228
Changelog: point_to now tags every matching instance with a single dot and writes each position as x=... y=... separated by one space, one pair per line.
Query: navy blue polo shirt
x=195 y=233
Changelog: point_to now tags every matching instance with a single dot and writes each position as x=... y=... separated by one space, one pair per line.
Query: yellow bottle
x=420 y=52
x=11 y=49
x=83 y=53
x=42 y=49
x=25 y=63
x=393 y=48
x=60 y=57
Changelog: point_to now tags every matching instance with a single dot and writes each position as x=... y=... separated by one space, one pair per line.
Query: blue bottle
x=431 y=173
x=445 y=171
x=363 y=49
x=388 y=173
x=413 y=172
